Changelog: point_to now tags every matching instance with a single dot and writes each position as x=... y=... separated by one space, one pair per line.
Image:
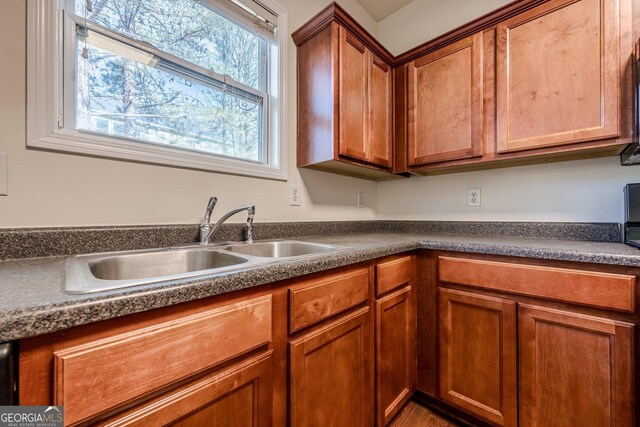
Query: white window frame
x=46 y=104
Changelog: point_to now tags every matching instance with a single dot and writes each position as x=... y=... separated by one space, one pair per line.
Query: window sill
x=95 y=145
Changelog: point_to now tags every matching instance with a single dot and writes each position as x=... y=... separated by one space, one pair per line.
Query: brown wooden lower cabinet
x=527 y=343
x=331 y=374
x=395 y=353
x=478 y=355
x=575 y=370
x=535 y=343
x=240 y=396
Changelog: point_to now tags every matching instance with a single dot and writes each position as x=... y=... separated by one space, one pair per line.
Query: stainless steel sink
x=113 y=270
x=155 y=264
x=100 y=272
x=280 y=249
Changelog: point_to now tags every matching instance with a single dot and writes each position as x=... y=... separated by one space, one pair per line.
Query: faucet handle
x=207 y=214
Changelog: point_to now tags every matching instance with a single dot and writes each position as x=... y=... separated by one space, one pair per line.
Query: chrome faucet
x=207 y=230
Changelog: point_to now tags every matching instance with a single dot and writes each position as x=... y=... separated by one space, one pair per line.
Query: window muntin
x=186 y=29
x=130 y=82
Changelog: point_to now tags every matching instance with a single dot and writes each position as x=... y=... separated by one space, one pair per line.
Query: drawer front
x=238 y=395
x=393 y=274
x=591 y=288
x=327 y=296
x=100 y=375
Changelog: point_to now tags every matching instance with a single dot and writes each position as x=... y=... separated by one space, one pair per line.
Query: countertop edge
x=42 y=319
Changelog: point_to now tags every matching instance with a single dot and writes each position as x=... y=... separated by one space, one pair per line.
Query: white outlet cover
x=295 y=195
x=360 y=199
x=3 y=174
x=473 y=197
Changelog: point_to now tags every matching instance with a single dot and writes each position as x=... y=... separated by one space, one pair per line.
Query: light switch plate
x=3 y=174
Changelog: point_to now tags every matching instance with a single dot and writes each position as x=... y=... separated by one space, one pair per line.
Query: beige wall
x=587 y=190
x=422 y=20
x=577 y=191
x=55 y=189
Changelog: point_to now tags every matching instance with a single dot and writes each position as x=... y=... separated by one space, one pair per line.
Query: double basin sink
x=100 y=272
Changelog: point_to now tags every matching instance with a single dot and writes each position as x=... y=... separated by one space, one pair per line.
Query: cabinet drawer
x=103 y=374
x=393 y=274
x=239 y=393
x=591 y=288
x=326 y=296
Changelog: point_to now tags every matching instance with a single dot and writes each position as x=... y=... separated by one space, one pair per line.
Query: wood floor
x=414 y=415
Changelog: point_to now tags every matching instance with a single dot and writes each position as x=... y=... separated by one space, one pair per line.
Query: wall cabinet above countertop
x=516 y=86
x=345 y=97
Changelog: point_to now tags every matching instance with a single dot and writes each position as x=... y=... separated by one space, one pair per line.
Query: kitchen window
x=190 y=83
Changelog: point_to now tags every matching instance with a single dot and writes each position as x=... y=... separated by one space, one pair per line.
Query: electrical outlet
x=3 y=174
x=473 y=197
x=295 y=195
x=360 y=199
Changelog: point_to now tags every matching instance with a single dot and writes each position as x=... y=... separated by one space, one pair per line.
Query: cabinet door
x=557 y=74
x=353 y=96
x=239 y=396
x=395 y=353
x=445 y=103
x=380 y=109
x=478 y=355
x=575 y=370
x=330 y=374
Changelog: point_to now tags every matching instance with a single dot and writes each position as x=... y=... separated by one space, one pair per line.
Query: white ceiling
x=380 y=9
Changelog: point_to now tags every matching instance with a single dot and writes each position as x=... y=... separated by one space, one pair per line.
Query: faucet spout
x=207 y=213
x=207 y=230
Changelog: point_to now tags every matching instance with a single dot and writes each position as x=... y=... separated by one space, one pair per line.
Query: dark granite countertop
x=32 y=303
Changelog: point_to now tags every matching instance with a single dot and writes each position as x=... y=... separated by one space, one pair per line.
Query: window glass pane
x=185 y=29
x=123 y=97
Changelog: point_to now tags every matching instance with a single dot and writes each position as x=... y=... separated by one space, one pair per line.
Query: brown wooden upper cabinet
x=345 y=98
x=445 y=111
x=558 y=75
x=365 y=103
x=530 y=82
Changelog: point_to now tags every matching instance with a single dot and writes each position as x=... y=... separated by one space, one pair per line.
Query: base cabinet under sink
x=300 y=352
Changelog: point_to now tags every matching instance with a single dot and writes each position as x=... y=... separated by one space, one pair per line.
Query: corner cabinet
x=478 y=355
x=445 y=90
x=345 y=98
x=525 y=344
x=550 y=82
